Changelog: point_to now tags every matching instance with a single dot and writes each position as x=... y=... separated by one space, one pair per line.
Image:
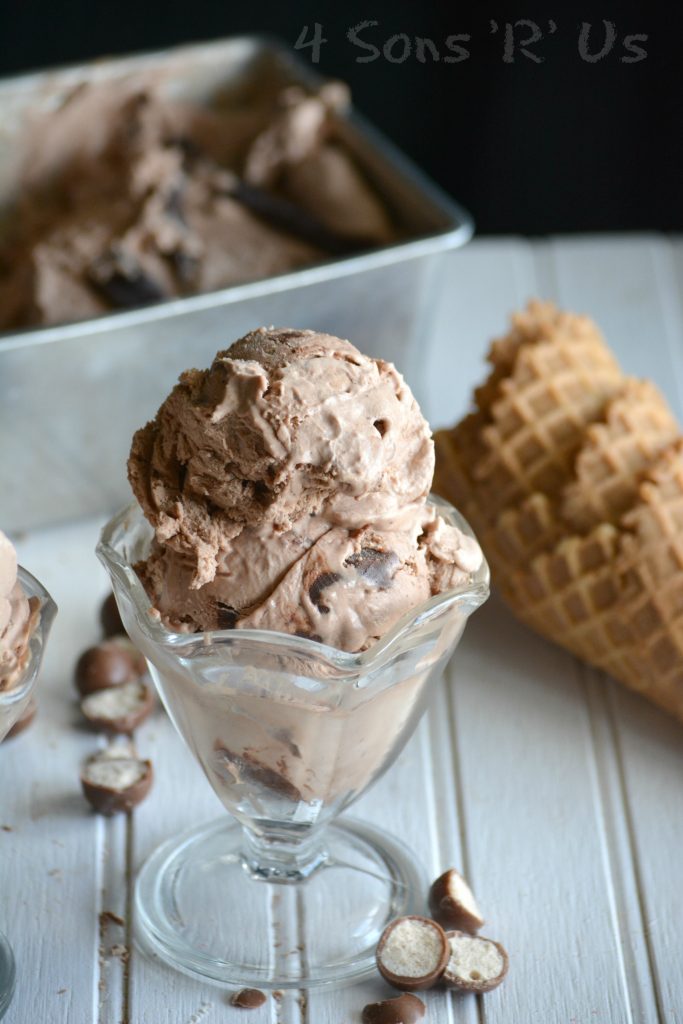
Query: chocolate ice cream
x=130 y=197
x=18 y=615
x=287 y=489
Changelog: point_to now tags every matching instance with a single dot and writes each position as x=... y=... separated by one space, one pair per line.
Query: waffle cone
x=538 y=421
x=531 y=413
x=572 y=476
x=615 y=454
x=611 y=462
x=614 y=596
x=457 y=452
x=539 y=322
x=526 y=530
x=569 y=593
x=651 y=568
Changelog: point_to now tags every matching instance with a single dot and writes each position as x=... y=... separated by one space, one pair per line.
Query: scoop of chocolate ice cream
x=284 y=424
x=287 y=488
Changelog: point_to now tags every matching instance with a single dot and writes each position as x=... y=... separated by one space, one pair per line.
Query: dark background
x=560 y=144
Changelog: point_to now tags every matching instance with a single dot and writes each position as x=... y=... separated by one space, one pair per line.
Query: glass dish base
x=7 y=975
x=202 y=908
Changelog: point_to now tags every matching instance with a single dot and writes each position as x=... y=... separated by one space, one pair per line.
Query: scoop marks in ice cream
x=17 y=617
x=287 y=488
x=130 y=195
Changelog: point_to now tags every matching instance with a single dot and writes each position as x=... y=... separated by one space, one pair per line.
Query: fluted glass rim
x=32 y=587
x=471 y=594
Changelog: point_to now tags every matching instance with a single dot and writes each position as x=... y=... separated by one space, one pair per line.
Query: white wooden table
x=558 y=793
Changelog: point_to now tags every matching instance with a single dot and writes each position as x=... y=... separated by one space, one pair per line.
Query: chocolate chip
x=290 y=335
x=245 y=767
x=185 y=266
x=174 y=207
x=381 y=426
x=261 y=491
x=375 y=566
x=190 y=149
x=326 y=579
x=287 y=215
x=226 y=615
x=122 y=281
x=284 y=736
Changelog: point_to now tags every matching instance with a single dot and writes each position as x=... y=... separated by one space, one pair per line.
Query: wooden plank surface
x=557 y=792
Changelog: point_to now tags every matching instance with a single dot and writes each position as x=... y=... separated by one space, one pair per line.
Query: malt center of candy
x=116 y=774
x=119 y=700
x=474 y=959
x=412 y=950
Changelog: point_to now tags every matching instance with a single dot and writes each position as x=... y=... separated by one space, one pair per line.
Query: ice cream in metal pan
x=129 y=197
x=72 y=394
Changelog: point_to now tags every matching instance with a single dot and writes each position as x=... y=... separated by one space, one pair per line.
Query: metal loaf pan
x=71 y=396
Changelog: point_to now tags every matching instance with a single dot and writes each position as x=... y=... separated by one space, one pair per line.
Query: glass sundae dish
x=293 y=625
x=26 y=614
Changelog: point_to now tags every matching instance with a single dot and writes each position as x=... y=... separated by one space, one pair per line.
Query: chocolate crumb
x=248 y=998
x=107 y=916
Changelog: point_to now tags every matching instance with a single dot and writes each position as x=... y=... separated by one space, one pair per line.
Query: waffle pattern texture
x=572 y=475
